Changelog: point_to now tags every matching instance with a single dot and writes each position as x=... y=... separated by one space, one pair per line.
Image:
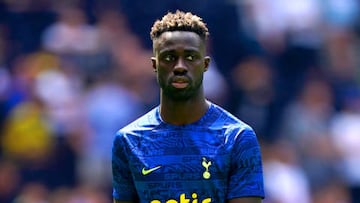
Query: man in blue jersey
x=186 y=150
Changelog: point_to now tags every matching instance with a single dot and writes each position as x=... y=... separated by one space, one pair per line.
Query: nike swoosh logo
x=148 y=171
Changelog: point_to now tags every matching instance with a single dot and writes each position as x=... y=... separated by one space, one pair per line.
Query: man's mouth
x=180 y=83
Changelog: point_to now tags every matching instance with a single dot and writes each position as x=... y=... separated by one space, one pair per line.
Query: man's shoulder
x=227 y=118
x=145 y=122
x=229 y=123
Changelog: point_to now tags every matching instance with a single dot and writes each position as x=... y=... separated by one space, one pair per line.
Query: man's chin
x=179 y=94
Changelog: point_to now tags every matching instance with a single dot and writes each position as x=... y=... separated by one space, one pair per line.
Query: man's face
x=180 y=63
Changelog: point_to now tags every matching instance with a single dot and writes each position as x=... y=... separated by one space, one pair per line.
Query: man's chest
x=172 y=156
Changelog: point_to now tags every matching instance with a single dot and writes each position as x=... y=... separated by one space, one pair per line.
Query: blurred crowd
x=73 y=72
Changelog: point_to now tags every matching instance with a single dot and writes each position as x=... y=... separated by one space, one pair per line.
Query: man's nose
x=180 y=66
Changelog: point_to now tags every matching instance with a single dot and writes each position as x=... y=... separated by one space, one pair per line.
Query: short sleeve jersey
x=212 y=160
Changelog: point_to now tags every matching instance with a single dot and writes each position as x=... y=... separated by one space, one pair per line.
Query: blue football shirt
x=212 y=160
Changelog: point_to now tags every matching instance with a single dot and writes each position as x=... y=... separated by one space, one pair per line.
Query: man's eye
x=169 y=58
x=190 y=57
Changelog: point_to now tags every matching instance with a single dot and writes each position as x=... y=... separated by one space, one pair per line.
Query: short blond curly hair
x=179 y=21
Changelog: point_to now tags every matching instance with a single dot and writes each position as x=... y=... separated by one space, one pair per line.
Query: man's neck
x=183 y=112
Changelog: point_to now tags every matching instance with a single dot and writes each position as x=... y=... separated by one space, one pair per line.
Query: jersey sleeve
x=123 y=185
x=246 y=176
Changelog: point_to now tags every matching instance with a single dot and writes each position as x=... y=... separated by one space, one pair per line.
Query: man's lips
x=180 y=85
x=180 y=82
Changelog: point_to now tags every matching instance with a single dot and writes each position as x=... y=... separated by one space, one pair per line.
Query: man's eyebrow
x=185 y=50
x=166 y=51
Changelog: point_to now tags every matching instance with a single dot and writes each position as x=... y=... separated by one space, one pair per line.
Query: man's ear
x=206 y=63
x=153 y=60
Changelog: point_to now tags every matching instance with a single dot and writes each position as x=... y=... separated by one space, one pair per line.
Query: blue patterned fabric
x=212 y=160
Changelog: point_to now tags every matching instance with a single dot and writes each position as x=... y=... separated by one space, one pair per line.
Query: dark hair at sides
x=179 y=21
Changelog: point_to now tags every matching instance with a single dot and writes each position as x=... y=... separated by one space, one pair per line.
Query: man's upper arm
x=123 y=184
x=244 y=200
x=246 y=175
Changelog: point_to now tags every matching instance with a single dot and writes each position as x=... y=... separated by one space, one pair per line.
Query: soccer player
x=187 y=149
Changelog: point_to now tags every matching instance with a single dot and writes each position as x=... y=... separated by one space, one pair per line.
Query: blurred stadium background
x=73 y=72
